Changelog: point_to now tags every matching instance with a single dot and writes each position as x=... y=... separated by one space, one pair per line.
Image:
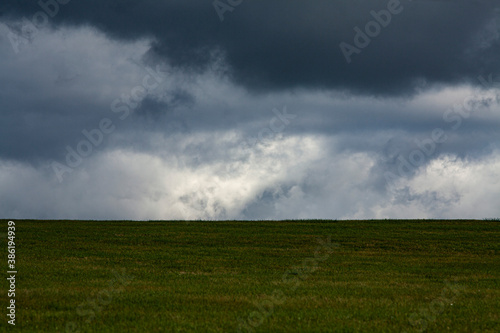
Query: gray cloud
x=200 y=135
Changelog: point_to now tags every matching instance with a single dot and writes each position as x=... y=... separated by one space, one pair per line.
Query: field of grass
x=270 y=276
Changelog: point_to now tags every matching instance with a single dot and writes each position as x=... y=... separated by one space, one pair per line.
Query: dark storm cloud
x=153 y=109
x=286 y=44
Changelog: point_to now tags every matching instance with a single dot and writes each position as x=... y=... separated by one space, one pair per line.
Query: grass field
x=286 y=276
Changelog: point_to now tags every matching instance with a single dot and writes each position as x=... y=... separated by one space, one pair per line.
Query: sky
x=239 y=109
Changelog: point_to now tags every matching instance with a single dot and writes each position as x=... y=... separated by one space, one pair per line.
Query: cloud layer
x=160 y=110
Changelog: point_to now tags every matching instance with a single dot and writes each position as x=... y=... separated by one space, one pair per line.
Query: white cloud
x=300 y=182
x=448 y=187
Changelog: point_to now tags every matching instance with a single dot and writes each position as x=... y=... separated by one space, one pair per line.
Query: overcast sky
x=249 y=109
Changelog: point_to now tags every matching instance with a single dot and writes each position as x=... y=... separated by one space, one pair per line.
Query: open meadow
x=256 y=276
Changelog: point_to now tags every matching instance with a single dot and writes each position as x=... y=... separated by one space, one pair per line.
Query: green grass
x=206 y=276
